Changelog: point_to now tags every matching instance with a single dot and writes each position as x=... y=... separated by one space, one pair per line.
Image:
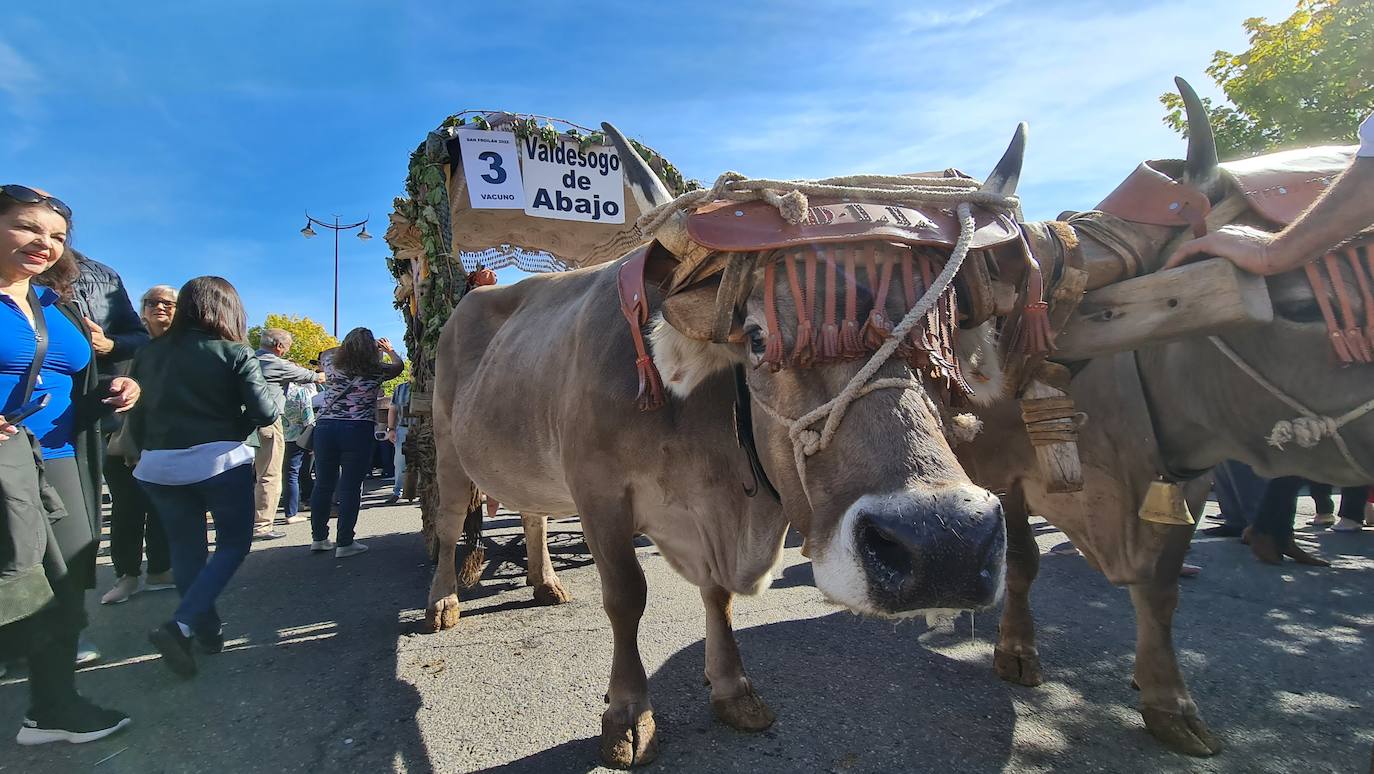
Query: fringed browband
x=823 y=337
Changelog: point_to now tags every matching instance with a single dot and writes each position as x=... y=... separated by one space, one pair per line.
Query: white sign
x=566 y=183
x=492 y=167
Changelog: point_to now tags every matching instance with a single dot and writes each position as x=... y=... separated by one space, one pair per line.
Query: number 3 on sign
x=497 y=175
x=491 y=167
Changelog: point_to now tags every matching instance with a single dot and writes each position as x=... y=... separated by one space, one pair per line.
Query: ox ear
x=692 y=310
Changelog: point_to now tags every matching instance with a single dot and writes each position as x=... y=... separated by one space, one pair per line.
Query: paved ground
x=328 y=671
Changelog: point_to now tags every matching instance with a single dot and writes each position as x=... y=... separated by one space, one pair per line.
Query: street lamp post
x=336 y=227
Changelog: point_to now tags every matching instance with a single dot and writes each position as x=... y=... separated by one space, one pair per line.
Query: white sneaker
x=1323 y=519
x=297 y=519
x=352 y=549
x=125 y=586
x=321 y=545
x=1347 y=525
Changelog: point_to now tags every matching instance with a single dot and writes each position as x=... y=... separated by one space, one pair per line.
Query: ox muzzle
x=907 y=552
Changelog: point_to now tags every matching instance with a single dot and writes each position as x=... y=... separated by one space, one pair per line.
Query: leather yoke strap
x=1333 y=329
x=635 y=307
x=1149 y=196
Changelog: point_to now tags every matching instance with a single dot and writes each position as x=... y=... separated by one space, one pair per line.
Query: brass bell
x=1164 y=504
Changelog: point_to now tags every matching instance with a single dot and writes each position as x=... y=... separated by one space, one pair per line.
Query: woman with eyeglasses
x=133 y=521
x=51 y=401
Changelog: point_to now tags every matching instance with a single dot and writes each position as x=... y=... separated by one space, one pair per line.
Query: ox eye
x=757 y=343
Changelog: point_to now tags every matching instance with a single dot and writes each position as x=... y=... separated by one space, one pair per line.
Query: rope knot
x=1305 y=431
x=809 y=441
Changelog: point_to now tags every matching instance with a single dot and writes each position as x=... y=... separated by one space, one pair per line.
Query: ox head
x=1163 y=203
x=892 y=522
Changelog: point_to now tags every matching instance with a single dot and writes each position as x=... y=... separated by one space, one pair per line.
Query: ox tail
x=475 y=556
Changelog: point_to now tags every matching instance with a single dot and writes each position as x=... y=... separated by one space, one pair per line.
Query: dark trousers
x=1353 y=499
x=1238 y=490
x=49 y=637
x=298 y=483
x=1279 y=507
x=229 y=499
x=343 y=458
x=132 y=522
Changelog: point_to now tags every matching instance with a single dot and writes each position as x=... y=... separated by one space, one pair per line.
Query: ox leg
x=629 y=736
x=1016 y=658
x=1168 y=709
x=455 y=493
x=539 y=567
x=733 y=699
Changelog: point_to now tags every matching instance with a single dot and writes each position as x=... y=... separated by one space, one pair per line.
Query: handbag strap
x=330 y=404
x=40 y=345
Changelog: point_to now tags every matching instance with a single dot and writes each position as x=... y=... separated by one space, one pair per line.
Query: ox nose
x=943 y=550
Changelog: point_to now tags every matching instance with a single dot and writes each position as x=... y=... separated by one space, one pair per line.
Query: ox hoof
x=1019 y=668
x=443 y=614
x=745 y=712
x=551 y=593
x=1181 y=733
x=628 y=744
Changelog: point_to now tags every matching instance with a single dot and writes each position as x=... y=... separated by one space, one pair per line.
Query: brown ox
x=1174 y=410
x=534 y=404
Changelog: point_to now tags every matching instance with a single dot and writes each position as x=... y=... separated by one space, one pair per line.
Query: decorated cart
x=489 y=190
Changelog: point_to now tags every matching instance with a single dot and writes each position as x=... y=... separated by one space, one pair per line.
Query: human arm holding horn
x=1347 y=207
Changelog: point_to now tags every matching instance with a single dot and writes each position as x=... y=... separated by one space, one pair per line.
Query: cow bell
x=1164 y=504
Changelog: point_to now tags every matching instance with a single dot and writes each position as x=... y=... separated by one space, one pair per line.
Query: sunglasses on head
x=25 y=195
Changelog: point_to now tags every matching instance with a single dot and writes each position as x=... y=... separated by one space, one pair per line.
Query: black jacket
x=198 y=389
x=100 y=292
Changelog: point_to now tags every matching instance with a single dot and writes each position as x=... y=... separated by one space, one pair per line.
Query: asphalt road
x=327 y=670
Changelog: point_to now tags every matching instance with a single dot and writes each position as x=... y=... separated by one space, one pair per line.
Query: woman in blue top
x=43 y=623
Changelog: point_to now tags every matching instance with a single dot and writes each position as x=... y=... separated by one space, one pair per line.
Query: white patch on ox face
x=685 y=363
x=839 y=569
x=982 y=366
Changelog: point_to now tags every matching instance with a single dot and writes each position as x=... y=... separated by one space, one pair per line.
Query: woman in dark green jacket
x=50 y=471
x=203 y=395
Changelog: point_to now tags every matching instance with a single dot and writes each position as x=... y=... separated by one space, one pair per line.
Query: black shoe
x=1224 y=530
x=77 y=723
x=175 y=648
x=211 y=643
x=392 y=500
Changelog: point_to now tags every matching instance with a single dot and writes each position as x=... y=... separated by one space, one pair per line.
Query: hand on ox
x=1248 y=248
x=124 y=394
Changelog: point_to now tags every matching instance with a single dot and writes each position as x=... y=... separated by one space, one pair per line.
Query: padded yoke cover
x=754 y=226
x=1280 y=186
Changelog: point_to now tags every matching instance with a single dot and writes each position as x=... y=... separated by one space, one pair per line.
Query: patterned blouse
x=298 y=413
x=353 y=398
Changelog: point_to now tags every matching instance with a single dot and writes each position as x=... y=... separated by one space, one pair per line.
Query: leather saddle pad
x=756 y=226
x=1280 y=186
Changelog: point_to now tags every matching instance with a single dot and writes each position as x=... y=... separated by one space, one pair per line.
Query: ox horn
x=1007 y=173
x=1201 y=167
x=637 y=171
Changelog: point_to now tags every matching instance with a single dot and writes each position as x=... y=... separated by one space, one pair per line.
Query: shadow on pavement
x=309 y=680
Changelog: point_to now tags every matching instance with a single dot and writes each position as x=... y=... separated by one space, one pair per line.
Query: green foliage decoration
x=1306 y=80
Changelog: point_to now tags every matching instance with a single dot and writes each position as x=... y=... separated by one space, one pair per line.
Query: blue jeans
x=343 y=458
x=400 y=463
x=291 y=477
x=229 y=499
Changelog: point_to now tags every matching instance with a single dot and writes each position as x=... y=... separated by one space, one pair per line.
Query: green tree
x=404 y=377
x=309 y=338
x=1307 y=80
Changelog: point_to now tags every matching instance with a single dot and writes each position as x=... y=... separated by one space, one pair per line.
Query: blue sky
x=191 y=137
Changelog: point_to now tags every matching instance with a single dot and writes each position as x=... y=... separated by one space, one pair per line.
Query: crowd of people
x=179 y=417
